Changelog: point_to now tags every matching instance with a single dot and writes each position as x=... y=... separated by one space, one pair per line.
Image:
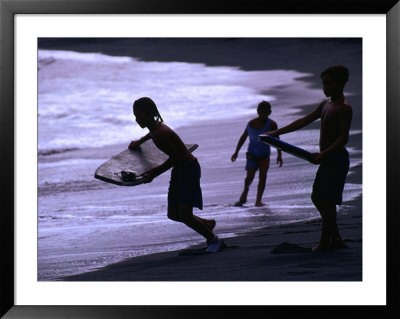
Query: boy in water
x=257 y=153
x=336 y=114
x=184 y=191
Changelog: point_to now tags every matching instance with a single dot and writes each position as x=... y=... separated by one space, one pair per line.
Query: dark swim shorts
x=252 y=161
x=184 y=186
x=331 y=176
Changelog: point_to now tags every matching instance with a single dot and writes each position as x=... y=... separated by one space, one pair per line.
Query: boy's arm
x=167 y=142
x=135 y=144
x=154 y=172
x=298 y=124
x=240 y=143
x=344 y=128
x=274 y=127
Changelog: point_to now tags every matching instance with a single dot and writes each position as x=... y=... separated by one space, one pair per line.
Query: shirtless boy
x=184 y=191
x=336 y=114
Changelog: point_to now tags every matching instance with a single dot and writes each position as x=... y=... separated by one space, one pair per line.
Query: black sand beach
x=274 y=254
x=278 y=253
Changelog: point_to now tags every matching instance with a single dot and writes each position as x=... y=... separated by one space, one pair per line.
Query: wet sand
x=278 y=253
x=272 y=254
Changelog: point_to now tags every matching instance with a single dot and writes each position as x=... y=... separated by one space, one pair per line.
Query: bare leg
x=174 y=214
x=210 y=223
x=324 y=239
x=264 y=165
x=330 y=237
x=192 y=221
x=247 y=182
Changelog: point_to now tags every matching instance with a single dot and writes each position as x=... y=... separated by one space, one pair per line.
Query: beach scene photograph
x=255 y=217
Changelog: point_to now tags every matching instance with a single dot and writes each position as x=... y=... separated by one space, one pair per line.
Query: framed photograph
x=78 y=245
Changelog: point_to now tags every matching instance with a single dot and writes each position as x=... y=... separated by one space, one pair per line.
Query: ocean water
x=85 y=117
x=85 y=99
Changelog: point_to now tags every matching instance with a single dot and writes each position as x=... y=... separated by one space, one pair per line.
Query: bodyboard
x=288 y=148
x=137 y=161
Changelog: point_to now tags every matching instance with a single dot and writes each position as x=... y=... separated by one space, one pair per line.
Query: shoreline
x=304 y=55
x=248 y=256
x=251 y=246
x=275 y=253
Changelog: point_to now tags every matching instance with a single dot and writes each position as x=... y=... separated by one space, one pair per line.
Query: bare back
x=170 y=143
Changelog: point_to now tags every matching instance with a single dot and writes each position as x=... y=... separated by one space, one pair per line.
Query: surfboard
x=133 y=163
x=288 y=148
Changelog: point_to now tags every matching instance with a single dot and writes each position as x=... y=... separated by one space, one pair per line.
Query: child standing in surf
x=184 y=191
x=258 y=153
x=335 y=114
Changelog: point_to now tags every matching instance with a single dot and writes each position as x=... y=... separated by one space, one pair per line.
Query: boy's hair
x=147 y=106
x=339 y=74
x=264 y=105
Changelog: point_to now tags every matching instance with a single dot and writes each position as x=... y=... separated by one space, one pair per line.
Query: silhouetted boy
x=184 y=191
x=336 y=115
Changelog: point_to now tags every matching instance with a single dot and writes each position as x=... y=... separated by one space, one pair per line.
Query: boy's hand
x=234 y=157
x=318 y=157
x=272 y=133
x=279 y=161
x=134 y=145
x=149 y=175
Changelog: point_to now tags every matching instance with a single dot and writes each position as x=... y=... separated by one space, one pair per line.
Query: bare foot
x=321 y=247
x=239 y=203
x=260 y=204
x=332 y=245
x=337 y=244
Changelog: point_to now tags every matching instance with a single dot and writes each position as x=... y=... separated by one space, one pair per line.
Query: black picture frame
x=8 y=10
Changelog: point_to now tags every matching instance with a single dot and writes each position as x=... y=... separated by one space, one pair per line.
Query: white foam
x=85 y=99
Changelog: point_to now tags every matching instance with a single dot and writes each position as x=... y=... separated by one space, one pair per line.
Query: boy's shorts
x=184 y=186
x=331 y=176
x=252 y=161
